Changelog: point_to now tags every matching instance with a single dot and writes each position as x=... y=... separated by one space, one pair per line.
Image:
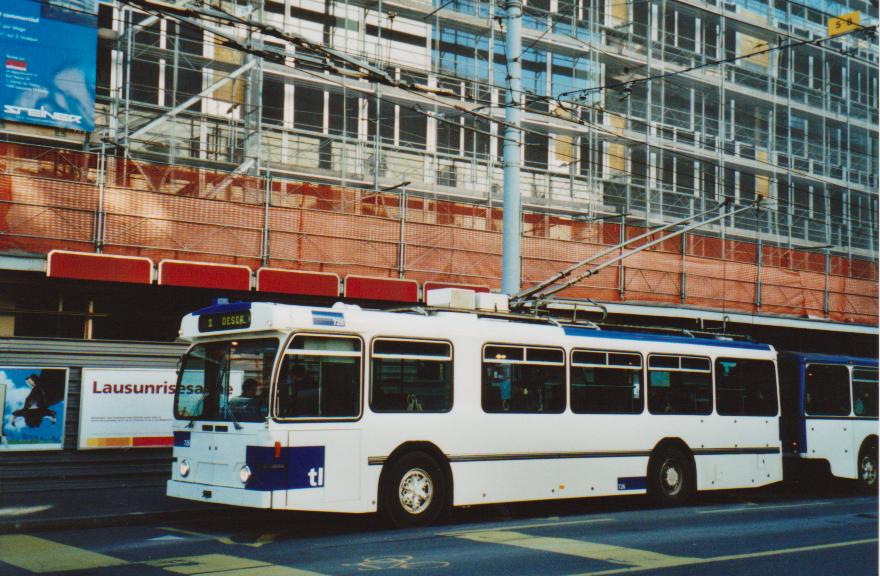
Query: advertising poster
x=49 y=59
x=34 y=404
x=126 y=408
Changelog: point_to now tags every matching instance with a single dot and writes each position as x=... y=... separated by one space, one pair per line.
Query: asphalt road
x=768 y=532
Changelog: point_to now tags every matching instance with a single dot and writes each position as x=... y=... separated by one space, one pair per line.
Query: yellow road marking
x=642 y=559
x=744 y=556
x=756 y=508
x=225 y=565
x=40 y=555
x=522 y=526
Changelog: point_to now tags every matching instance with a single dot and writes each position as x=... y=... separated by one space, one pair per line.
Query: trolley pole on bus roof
x=510 y=258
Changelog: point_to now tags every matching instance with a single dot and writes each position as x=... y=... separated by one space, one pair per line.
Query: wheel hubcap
x=416 y=491
x=670 y=477
x=869 y=470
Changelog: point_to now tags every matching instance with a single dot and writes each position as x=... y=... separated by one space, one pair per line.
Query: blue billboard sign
x=32 y=408
x=49 y=50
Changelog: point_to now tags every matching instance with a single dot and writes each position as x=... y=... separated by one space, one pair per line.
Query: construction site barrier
x=59 y=199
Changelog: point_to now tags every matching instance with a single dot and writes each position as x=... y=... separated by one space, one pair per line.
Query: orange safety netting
x=53 y=199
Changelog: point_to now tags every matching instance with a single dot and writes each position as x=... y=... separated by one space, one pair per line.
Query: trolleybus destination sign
x=224 y=321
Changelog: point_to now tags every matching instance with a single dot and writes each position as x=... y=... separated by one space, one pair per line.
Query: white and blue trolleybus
x=411 y=412
x=829 y=414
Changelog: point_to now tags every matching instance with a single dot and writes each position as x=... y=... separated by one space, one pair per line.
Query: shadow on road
x=288 y=525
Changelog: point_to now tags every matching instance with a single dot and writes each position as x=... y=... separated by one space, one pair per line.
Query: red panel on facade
x=100 y=267
x=438 y=285
x=297 y=282
x=204 y=275
x=392 y=289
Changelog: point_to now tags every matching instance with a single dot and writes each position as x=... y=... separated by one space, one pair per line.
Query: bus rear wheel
x=414 y=492
x=671 y=480
x=868 y=468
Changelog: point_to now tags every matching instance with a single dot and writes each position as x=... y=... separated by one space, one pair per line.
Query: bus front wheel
x=868 y=467
x=414 y=491
x=671 y=480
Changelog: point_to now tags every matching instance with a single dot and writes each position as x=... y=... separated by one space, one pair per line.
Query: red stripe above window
x=100 y=267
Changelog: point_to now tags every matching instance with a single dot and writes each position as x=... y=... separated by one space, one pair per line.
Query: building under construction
x=311 y=150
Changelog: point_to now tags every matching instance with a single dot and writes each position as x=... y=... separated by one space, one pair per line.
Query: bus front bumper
x=219 y=494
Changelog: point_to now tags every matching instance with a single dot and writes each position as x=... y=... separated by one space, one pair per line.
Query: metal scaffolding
x=795 y=127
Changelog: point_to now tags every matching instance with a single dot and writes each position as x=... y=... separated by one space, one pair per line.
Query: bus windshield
x=226 y=380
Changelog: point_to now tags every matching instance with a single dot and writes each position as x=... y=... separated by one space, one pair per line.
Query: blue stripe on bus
x=182 y=439
x=326 y=318
x=296 y=468
x=807 y=357
x=219 y=308
x=649 y=337
x=632 y=483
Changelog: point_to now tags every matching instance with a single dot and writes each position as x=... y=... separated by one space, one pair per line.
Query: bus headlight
x=244 y=474
x=183 y=468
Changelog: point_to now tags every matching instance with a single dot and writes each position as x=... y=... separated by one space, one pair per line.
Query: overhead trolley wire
x=462 y=109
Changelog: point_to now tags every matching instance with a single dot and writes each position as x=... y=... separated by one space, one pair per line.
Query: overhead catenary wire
x=714 y=146
x=489 y=134
x=466 y=111
x=714 y=62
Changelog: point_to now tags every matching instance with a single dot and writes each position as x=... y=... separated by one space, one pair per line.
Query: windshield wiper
x=232 y=415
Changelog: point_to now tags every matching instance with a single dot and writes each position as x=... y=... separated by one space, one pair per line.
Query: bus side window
x=864 y=387
x=523 y=380
x=606 y=382
x=826 y=388
x=679 y=385
x=411 y=376
x=745 y=387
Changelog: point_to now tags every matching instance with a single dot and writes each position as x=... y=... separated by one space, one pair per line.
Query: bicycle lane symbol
x=396 y=563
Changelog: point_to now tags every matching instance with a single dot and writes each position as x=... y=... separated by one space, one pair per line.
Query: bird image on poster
x=33 y=408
